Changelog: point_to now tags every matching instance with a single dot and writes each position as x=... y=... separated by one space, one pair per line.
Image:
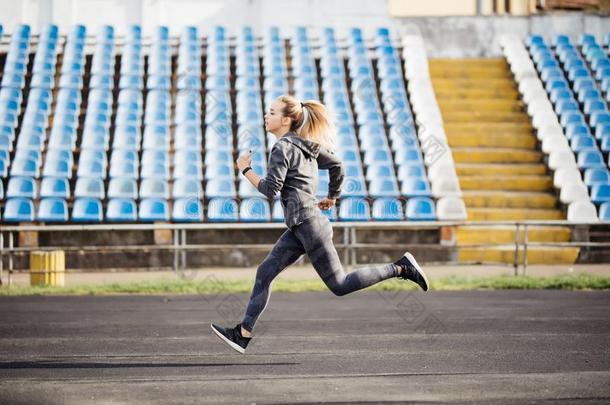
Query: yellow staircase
x=501 y=170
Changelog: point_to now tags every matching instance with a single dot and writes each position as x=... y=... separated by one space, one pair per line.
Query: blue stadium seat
x=154 y=188
x=387 y=209
x=3 y=166
x=420 y=209
x=599 y=117
x=91 y=168
x=605 y=143
x=120 y=187
x=57 y=187
x=121 y=210
x=354 y=187
x=188 y=169
x=583 y=142
x=18 y=210
x=152 y=157
x=590 y=159
x=24 y=187
x=57 y=168
x=254 y=210
x=220 y=188
x=218 y=157
x=415 y=187
x=586 y=94
x=222 y=210
x=219 y=170
x=571 y=117
x=187 y=188
x=597 y=176
x=354 y=209
x=410 y=156
x=408 y=170
x=87 y=210
x=600 y=193
x=187 y=210
x=52 y=210
x=372 y=156
x=604 y=212
x=154 y=209
x=93 y=155
x=89 y=187
x=384 y=187
x=574 y=130
x=25 y=167
x=565 y=105
x=157 y=170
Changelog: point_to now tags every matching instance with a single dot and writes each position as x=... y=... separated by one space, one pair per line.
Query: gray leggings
x=314 y=237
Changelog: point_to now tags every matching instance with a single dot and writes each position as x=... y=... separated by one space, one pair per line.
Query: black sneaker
x=232 y=337
x=410 y=270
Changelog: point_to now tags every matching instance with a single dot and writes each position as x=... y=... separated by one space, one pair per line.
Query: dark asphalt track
x=485 y=346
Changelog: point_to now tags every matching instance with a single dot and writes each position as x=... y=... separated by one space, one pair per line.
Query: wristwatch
x=246 y=170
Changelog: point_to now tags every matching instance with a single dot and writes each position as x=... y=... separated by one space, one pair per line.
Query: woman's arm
x=244 y=161
x=327 y=159
x=276 y=171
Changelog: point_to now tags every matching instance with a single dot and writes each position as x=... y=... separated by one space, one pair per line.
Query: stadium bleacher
x=150 y=130
x=113 y=130
x=576 y=77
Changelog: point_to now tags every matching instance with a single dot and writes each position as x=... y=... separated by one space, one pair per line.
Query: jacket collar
x=308 y=147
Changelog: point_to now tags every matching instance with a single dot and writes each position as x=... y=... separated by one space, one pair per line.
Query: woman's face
x=275 y=122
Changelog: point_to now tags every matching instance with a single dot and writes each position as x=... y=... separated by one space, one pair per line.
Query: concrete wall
x=456 y=37
x=467 y=36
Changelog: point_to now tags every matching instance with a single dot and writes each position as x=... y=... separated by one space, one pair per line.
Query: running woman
x=304 y=145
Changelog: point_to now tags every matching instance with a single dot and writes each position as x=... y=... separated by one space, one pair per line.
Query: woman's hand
x=244 y=161
x=326 y=203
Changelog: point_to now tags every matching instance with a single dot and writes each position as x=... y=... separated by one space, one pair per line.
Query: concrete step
x=489 y=127
x=468 y=73
x=484 y=116
x=495 y=155
x=467 y=169
x=513 y=214
x=506 y=255
x=478 y=92
x=516 y=183
x=490 y=104
x=471 y=62
x=467 y=84
x=517 y=141
x=508 y=199
x=471 y=235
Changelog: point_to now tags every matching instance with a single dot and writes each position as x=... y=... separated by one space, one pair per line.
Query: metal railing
x=350 y=244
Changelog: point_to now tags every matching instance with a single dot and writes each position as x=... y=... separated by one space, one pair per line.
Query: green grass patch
x=215 y=286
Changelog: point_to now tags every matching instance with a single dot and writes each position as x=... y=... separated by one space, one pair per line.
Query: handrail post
x=175 y=237
x=183 y=251
x=516 y=262
x=524 y=248
x=353 y=242
x=1 y=256
x=11 y=243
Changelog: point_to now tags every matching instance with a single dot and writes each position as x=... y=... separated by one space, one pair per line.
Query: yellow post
x=47 y=268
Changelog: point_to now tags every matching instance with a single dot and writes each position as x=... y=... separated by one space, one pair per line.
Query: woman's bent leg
x=317 y=237
x=285 y=252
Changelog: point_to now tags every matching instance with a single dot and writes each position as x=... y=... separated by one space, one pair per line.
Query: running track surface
x=476 y=346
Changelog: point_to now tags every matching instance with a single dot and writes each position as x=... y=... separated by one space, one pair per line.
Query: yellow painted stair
x=501 y=169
